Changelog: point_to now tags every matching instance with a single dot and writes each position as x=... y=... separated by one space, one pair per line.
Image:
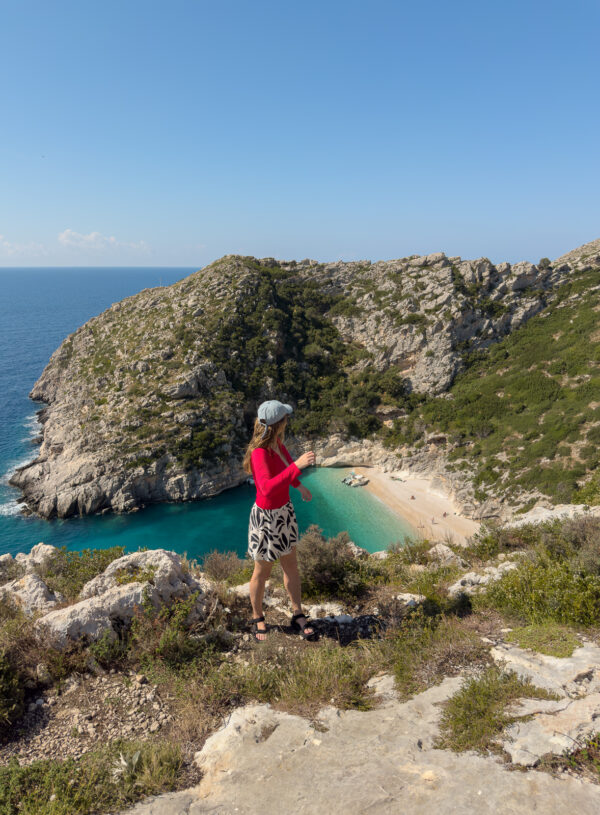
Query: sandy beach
x=427 y=505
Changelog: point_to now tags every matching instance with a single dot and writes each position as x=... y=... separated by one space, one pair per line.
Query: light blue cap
x=271 y=412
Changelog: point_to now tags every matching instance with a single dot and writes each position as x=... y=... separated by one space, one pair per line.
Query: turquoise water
x=39 y=308
x=197 y=527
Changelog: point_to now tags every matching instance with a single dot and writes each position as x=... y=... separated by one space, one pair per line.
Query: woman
x=273 y=529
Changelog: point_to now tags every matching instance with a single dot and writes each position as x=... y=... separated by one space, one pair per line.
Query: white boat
x=354 y=480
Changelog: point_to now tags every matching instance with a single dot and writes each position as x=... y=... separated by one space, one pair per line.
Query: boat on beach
x=354 y=480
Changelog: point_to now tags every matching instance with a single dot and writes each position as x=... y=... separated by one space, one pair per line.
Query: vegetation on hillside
x=525 y=414
x=207 y=668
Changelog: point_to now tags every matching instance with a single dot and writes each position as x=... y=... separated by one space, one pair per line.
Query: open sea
x=39 y=307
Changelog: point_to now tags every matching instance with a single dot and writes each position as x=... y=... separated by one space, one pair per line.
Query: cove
x=197 y=527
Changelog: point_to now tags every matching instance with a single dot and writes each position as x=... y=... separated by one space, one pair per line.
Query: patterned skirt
x=272 y=532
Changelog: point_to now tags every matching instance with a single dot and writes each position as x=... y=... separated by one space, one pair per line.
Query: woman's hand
x=305 y=493
x=305 y=460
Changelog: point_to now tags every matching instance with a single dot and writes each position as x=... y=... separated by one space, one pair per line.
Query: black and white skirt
x=272 y=532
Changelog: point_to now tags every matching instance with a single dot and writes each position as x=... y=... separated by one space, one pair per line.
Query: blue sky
x=172 y=133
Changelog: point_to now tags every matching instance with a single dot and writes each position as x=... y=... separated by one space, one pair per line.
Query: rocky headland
x=153 y=399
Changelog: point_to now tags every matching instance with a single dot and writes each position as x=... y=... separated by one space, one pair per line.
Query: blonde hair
x=274 y=431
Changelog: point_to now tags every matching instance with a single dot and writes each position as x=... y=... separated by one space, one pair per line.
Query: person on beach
x=273 y=528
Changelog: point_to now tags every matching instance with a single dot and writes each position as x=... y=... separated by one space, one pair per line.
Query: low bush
x=475 y=716
x=329 y=567
x=547 y=638
x=168 y=635
x=99 y=781
x=425 y=649
x=541 y=590
x=68 y=572
x=11 y=692
x=227 y=567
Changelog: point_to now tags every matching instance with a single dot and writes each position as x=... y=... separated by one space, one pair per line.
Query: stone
x=572 y=676
x=559 y=727
x=443 y=554
x=378 y=761
x=30 y=594
x=37 y=558
x=472 y=582
x=168 y=578
x=243 y=590
x=411 y=600
x=328 y=609
x=107 y=602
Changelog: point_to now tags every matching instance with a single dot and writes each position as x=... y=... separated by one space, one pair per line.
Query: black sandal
x=256 y=630
x=302 y=628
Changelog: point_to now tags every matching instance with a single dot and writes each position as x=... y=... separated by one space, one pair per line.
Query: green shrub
x=227 y=566
x=11 y=692
x=166 y=635
x=425 y=649
x=68 y=572
x=475 y=716
x=97 y=782
x=329 y=567
x=541 y=590
x=548 y=638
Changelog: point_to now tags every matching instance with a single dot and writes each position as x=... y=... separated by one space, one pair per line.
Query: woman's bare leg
x=291 y=581
x=262 y=570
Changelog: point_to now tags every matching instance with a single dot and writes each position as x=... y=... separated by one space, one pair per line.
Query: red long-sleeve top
x=272 y=478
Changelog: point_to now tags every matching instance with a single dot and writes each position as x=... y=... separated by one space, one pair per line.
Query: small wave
x=10 y=508
x=14 y=466
x=33 y=427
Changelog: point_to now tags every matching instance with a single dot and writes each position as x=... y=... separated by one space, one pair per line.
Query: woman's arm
x=284 y=450
x=265 y=482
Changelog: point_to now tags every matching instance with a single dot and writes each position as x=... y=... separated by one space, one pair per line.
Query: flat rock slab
x=562 y=726
x=574 y=676
x=378 y=762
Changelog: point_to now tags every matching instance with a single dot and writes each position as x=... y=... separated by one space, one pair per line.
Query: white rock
x=243 y=590
x=169 y=580
x=342 y=619
x=105 y=601
x=39 y=556
x=571 y=676
x=411 y=600
x=443 y=554
x=93 y=616
x=30 y=594
x=560 y=728
x=324 y=610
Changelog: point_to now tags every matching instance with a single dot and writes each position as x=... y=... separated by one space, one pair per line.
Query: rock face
x=379 y=761
x=30 y=594
x=472 y=582
x=157 y=575
x=152 y=400
x=558 y=726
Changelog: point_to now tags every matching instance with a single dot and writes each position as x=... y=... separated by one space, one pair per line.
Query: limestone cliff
x=152 y=400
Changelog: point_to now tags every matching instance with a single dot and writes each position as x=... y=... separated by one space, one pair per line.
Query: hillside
x=444 y=363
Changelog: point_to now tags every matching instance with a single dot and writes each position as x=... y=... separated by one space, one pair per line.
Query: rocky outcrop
x=109 y=600
x=473 y=582
x=30 y=594
x=378 y=761
x=144 y=403
x=556 y=726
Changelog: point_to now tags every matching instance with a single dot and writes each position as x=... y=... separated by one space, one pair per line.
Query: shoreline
x=428 y=504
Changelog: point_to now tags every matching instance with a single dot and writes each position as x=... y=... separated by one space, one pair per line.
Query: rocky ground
x=87 y=711
x=379 y=761
x=255 y=757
